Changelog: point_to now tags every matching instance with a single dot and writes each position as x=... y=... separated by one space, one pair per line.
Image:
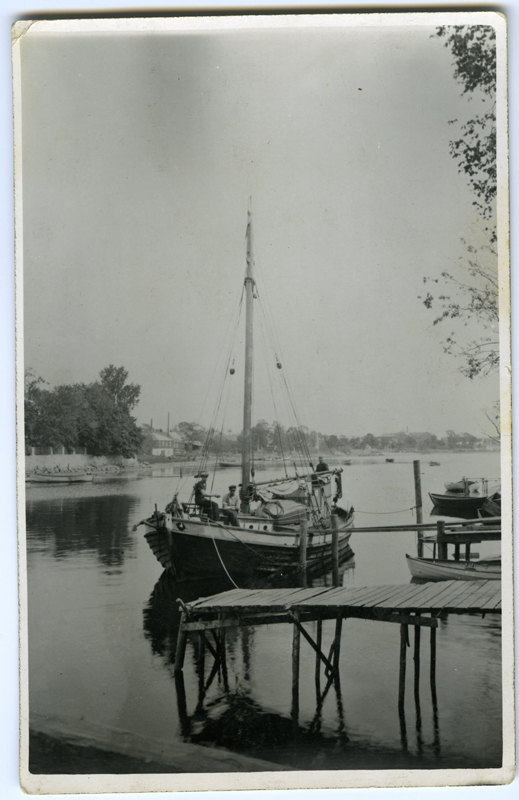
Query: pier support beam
x=303 y=544
x=335 y=549
x=181 y=645
x=442 y=544
x=401 y=683
x=418 y=504
x=296 y=646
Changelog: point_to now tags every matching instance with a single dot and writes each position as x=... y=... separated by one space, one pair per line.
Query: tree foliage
x=94 y=416
x=472 y=292
x=474 y=51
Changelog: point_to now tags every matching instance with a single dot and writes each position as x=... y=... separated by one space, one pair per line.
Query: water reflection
x=67 y=526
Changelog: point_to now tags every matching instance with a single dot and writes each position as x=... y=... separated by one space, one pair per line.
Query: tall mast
x=247 y=394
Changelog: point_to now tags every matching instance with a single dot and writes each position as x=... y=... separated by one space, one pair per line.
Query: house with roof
x=167 y=444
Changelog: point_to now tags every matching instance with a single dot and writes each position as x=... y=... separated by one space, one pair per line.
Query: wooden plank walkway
x=452 y=597
x=416 y=605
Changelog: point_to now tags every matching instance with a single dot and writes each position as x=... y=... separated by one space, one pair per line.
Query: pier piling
x=418 y=504
x=442 y=544
x=296 y=645
x=303 y=544
x=335 y=550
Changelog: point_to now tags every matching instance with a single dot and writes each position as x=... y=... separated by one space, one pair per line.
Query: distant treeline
x=274 y=438
x=95 y=416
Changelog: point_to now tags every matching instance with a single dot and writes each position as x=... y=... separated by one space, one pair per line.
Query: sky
x=140 y=154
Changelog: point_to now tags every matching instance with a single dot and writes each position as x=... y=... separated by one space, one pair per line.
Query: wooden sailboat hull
x=445 y=570
x=203 y=549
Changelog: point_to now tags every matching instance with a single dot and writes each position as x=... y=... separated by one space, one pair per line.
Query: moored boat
x=459 y=486
x=449 y=570
x=264 y=536
x=60 y=477
x=492 y=506
x=452 y=504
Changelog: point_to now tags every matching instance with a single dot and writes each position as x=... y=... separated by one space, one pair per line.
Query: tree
x=96 y=416
x=113 y=380
x=191 y=432
x=476 y=290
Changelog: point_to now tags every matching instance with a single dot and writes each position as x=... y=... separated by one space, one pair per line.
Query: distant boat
x=61 y=477
x=347 y=462
x=432 y=569
x=434 y=463
x=452 y=503
x=230 y=464
x=459 y=486
x=390 y=460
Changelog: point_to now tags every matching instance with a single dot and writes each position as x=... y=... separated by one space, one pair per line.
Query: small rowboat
x=236 y=464
x=434 y=463
x=61 y=477
x=452 y=504
x=431 y=569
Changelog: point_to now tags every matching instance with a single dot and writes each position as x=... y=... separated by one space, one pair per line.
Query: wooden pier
x=418 y=605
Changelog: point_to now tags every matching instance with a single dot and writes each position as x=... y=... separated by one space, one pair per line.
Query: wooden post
x=401 y=676
x=467 y=551
x=442 y=546
x=401 y=685
x=418 y=504
x=201 y=667
x=296 y=642
x=335 y=549
x=185 y=726
x=416 y=658
x=432 y=675
x=303 y=543
x=456 y=552
x=337 y=645
x=181 y=645
x=318 y=660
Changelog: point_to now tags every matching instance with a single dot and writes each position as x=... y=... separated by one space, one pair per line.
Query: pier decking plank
x=445 y=596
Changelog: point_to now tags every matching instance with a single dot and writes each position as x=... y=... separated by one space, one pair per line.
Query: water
x=103 y=626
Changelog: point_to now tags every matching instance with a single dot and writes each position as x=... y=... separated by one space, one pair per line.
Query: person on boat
x=203 y=500
x=322 y=466
x=230 y=506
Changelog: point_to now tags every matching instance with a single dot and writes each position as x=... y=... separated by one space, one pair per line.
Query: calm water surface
x=103 y=623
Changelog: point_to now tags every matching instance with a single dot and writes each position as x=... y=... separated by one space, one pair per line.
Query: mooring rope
x=223 y=565
x=402 y=511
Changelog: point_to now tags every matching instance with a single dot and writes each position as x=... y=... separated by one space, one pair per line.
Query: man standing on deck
x=203 y=500
x=230 y=506
x=322 y=465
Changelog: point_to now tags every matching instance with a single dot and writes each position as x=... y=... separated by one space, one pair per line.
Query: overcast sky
x=139 y=155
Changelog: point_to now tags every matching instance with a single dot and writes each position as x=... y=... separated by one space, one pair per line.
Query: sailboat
x=272 y=514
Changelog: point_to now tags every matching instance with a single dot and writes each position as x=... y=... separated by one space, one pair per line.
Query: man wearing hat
x=230 y=505
x=203 y=500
